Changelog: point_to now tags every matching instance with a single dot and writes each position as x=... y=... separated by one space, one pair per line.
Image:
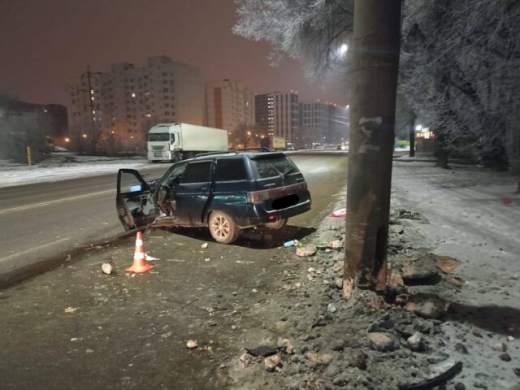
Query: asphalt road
x=75 y=327
x=40 y=222
x=44 y=222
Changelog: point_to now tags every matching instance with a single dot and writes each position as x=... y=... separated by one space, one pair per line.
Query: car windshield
x=272 y=167
x=160 y=137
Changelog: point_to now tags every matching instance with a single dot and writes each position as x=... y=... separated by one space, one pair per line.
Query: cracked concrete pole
x=374 y=72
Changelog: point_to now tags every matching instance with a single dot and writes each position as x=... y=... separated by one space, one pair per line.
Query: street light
x=67 y=139
x=343 y=49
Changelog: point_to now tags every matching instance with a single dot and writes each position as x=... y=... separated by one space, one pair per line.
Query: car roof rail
x=214 y=153
x=261 y=149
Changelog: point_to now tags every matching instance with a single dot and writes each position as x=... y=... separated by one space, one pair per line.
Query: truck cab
x=163 y=143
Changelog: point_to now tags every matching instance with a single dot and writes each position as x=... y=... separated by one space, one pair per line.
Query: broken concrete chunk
x=106 y=268
x=383 y=342
x=415 y=342
x=192 y=344
x=446 y=264
x=273 y=363
x=500 y=347
x=285 y=346
x=318 y=358
x=204 y=246
x=246 y=360
x=427 y=306
x=420 y=268
x=356 y=358
x=306 y=251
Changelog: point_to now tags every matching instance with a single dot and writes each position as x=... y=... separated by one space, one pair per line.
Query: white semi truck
x=180 y=141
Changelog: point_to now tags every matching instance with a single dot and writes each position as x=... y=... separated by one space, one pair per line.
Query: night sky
x=45 y=44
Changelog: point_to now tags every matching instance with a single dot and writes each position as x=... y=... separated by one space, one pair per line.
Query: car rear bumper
x=258 y=215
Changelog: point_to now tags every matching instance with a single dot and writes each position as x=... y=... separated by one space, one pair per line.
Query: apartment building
x=327 y=122
x=128 y=100
x=277 y=113
x=228 y=104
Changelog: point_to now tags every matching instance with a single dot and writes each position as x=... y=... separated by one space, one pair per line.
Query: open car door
x=134 y=200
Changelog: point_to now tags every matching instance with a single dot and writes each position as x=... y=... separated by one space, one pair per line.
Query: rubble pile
x=368 y=343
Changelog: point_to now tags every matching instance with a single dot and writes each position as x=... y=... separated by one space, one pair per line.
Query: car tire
x=222 y=228
x=276 y=225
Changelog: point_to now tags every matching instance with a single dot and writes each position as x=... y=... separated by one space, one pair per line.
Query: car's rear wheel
x=222 y=228
x=276 y=225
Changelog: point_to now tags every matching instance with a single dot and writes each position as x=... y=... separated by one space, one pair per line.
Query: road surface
x=42 y=223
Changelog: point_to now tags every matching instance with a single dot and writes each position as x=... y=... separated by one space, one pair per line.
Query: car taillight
x=258 y=196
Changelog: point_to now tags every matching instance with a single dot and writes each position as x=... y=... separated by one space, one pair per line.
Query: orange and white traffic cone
x=140 y=265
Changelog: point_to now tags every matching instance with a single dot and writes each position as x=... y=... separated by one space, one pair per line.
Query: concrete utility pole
x=375 y=64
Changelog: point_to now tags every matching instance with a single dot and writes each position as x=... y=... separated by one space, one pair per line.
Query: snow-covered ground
x=472 y=215
x=62 y=166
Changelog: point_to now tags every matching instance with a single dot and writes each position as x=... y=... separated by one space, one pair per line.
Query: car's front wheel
x=276 y=225
x=222 y=228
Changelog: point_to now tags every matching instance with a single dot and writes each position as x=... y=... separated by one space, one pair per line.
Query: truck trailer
x=180 y=141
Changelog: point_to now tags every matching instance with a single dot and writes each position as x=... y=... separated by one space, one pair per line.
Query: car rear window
x=230 y=169
x=198 y=173
x=271 y=167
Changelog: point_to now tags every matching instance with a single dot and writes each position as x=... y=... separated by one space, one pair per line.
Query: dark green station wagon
x=226 y=192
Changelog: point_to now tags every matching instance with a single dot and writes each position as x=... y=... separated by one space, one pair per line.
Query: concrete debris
x=336 y=244
x=415 y=342
x=500 y=347
x=274 y=363
x=192 y=344
x=510 y=338
x=420 y=268
x=71 y=309
x=356 y=358
x=306 y=251
x=332 y=308
x=246 y=360
x=396 y=280
x=285 y=346
x=427 y=306
x=446 y=264
x=383 y=342
x=204 y=246
x=319 y=359
x=106 y=268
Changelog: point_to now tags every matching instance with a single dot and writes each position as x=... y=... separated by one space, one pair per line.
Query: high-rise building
x=323 y=122
x=277 y=113
x=228 y=105
x=128 y=100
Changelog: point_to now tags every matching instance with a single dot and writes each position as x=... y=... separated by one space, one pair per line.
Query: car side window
x=175 y=176
x=230 y=169
x=199 y=172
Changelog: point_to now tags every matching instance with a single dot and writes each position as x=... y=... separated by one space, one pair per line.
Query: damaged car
x=226 y=192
